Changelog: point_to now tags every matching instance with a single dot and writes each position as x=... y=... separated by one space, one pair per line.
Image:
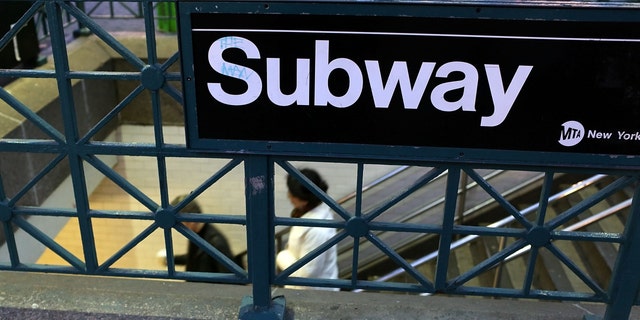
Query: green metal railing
x=63 y=143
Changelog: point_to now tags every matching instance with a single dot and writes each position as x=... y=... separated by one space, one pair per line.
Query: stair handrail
x=581 y=224
x=504 y=221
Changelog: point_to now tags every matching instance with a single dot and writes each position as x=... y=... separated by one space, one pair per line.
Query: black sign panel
x=553 y=86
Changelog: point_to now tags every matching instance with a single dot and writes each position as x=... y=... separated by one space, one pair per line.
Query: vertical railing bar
x=10 y=239
x=357 y=213
x=112 y=11
x=462 y=197
x=12 y=246
x=543 y=201
x=168 y=244
x=531 y=265
x=65 y=90
x=3 y=194
x=448 y=218
x=152 y=58
x=160 y=159
x=354 y=260
x=359 y=177
x=625 y=279
x=359 y=183
x=149 y=28
x=259 y=186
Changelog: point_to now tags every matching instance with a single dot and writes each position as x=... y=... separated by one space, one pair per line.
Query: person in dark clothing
x=197 y=259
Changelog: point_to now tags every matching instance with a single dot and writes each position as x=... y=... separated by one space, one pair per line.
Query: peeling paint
x=257 y=184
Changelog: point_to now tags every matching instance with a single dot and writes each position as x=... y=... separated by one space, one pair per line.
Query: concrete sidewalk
x=50 y=296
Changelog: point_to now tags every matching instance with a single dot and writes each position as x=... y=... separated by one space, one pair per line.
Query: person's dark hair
x=298 y=190
x=191 y=207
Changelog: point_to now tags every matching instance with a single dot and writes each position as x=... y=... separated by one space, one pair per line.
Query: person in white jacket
x=303 y=240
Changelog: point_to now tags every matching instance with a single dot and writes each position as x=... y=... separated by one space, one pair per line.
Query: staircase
x=554 y=270
x=425 y=206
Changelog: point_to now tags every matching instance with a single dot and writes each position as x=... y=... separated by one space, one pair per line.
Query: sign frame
x=503 y=12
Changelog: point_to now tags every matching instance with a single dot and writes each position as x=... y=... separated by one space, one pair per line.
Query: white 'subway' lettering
x=382 y=91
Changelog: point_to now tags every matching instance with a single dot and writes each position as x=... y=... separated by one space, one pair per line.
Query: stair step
x=611 y=224
x=422 y=207
x=594 y=259
x=563 y=277
x=479 y=255
x=516 y=269
x=464 y=261
x=511 y=273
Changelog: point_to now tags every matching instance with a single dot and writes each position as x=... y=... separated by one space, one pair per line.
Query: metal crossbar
x=64 y=143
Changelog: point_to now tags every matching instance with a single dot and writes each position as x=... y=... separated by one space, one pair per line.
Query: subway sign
x=288 y=81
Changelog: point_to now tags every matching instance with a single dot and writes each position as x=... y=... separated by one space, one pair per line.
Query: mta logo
x=571 y=133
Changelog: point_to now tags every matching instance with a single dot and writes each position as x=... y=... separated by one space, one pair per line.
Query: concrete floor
x=49 y=296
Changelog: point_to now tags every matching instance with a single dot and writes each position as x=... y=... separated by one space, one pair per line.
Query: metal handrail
x=374 y=183
x=581 y=224
x=280 y=234
x=502 y=222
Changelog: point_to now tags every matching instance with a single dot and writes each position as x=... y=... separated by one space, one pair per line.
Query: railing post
x=625 y=282
x=65 y=91
x=259 y=188
x=448 y=221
